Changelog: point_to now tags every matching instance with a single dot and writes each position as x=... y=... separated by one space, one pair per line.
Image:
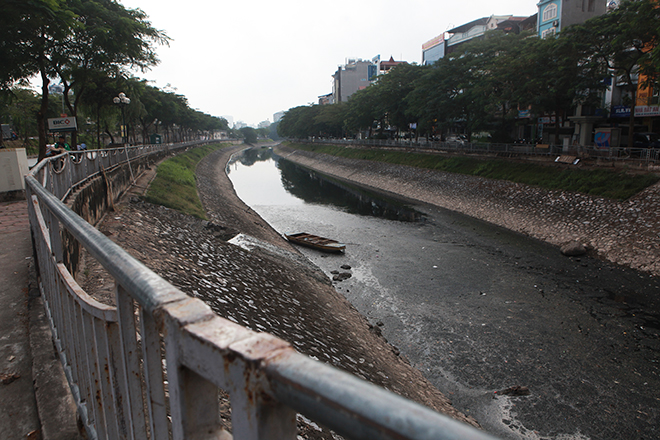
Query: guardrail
x=152 y=366
x=643 y=156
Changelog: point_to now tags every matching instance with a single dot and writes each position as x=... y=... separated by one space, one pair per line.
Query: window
x=592 y=5
x=550 y=12
x=548 y=32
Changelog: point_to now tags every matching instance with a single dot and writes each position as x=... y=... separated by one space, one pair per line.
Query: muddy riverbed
x=531 y=343
x=527 y=342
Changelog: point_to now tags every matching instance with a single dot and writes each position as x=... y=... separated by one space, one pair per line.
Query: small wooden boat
x=316 y=242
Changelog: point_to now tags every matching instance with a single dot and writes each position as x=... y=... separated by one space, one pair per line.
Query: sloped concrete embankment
x=265 y=289
x=623 y=232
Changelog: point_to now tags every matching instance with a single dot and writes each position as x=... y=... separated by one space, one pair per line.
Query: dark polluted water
x=479 y=309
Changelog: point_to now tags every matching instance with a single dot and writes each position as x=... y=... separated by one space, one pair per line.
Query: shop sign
x=62 y=124
x=623 y=111
x=620 y=111
x=647 y=110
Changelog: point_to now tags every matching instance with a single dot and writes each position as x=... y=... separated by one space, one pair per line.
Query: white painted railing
x=152 y=366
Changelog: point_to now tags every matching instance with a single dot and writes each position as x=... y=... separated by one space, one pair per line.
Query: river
x=481 y=310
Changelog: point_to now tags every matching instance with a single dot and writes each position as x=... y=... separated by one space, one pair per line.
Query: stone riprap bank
x=624 y=232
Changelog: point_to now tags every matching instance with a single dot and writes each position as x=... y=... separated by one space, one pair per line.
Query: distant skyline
x=254 y=58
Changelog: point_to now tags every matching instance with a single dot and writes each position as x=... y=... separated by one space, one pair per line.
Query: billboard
x=434 y=42
x=62 y=124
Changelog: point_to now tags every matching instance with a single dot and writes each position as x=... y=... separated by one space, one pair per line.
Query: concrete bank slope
x=623 y=232
x=265 y=289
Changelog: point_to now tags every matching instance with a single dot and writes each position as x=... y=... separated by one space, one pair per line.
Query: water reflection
x=268 y=179
x=316 y=188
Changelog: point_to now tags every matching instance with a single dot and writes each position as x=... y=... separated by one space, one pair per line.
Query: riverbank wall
x=623 y=232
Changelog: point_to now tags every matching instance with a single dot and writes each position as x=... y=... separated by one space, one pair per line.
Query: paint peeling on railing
x=157 y=373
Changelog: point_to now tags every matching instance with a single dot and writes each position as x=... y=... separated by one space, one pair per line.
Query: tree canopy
x=625 y=42
x=482 y=86
x=75 y=40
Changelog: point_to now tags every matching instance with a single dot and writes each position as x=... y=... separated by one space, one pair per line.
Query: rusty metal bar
x=175 y=362
x=130 y=358
x=153 y=377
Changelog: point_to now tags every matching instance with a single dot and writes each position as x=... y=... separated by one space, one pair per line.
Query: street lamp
x=122 y=101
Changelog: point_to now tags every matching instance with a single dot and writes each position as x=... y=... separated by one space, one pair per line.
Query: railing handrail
x=645 y=155
x=267 y=380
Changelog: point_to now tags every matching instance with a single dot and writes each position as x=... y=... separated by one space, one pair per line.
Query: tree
x=298 y=122
x=72 y=39
x=623 y=42
x=391 y=90
x=249 y=135
x=447 y=95
x=329 y=122
x=21 y=108
x=362 y=111
x=97 y=102
x=552 y=78
x=28 y=30
x=108 y=39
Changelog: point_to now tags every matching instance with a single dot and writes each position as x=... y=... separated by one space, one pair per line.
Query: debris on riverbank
x=623 y=232
x=259 y=289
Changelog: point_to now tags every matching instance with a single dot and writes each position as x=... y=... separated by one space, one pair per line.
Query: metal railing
x=642 y=156
x=152 y=366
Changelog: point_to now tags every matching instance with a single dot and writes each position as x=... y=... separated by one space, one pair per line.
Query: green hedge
x=612 y=184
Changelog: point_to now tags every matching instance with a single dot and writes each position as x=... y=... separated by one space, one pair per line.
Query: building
x=554 y=15
x=277 y=116
x=477 y=28
x=517 y=25
x=382 y=67
x=433 y=50
x=355 y=75
x=326 y=99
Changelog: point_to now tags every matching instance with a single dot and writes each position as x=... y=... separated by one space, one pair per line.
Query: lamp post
x=122 y=100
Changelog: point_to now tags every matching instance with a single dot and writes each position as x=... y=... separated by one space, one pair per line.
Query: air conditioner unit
x=555 y=23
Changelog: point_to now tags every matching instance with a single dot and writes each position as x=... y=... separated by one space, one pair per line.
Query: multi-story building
x=475 y=29
x=382 y=67
x=325 y=99
x=555 y=15
x=449 y=41
x=355 y=75
x=433 y=50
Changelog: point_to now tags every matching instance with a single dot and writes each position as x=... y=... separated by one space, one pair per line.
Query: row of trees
x=91 y=46
x=482 y=86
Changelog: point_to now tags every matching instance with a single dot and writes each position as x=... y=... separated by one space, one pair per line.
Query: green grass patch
x=175 y=185
x=597 y=182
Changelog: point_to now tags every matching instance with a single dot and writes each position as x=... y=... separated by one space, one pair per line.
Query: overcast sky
x=252 y=58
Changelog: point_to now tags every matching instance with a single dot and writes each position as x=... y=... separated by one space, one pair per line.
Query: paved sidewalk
x=18 y=406
x=34 y=399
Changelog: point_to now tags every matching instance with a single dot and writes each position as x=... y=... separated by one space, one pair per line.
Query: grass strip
x=618 y=185
x=175 y=184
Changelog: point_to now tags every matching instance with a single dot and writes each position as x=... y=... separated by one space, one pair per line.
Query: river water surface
x=479 y=309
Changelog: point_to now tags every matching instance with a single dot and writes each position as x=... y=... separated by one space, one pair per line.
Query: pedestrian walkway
x=18 y=408
x=34 y=399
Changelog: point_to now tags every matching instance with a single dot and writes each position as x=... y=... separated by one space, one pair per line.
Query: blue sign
x=620 y=111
